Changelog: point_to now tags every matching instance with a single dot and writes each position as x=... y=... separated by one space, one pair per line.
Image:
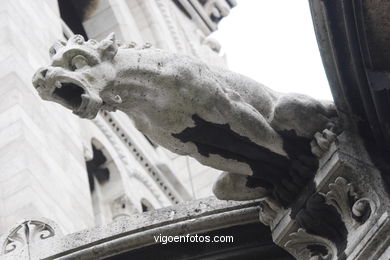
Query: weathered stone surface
x=129 y=233
x=222 y=119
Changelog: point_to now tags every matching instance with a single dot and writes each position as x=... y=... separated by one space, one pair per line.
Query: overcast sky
x=273 y=42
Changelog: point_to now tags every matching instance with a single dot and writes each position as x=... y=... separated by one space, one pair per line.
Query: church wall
x=42 y=170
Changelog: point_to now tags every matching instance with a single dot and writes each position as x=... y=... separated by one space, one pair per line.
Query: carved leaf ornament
x=305 y=246
x=354 y=210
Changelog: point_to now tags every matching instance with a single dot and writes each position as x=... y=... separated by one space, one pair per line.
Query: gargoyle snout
x=39 y=78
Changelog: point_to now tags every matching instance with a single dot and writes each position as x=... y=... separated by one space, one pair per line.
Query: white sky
x=273 y=42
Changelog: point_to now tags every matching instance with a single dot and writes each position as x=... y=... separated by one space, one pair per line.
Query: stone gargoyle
x=263 y=140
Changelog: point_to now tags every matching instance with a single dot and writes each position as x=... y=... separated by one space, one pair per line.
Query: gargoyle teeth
x=58 y=84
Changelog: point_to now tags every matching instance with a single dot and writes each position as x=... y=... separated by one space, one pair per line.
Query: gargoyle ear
x=108 y=47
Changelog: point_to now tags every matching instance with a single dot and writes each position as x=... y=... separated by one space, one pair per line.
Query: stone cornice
x=137 y=231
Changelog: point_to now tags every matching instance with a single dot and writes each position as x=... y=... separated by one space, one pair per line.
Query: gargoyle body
x=259 y=137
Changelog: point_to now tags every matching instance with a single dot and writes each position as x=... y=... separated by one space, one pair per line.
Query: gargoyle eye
x=79 y=62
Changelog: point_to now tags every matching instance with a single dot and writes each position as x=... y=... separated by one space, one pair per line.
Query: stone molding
x=171 y=25
x=129 y=233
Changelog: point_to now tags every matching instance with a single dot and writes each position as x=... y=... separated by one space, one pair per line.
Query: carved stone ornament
x=122 y=207
x=25 y=234
x=305 y=246
x=353 y=210
x=222 y=119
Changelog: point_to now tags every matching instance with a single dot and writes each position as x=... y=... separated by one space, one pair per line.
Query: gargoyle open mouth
x=69 y=93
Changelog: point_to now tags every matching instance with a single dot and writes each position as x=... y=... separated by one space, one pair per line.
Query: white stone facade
x=44 y=148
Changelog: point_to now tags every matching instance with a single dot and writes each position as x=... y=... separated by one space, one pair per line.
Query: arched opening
x=109 y=199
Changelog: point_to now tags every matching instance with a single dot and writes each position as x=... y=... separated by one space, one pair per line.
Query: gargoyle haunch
x=262 y=139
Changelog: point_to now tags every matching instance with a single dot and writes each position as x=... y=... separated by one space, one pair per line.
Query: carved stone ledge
x=346 y=215
x=139 y=230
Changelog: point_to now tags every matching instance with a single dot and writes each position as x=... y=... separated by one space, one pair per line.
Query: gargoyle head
x=79 y=71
